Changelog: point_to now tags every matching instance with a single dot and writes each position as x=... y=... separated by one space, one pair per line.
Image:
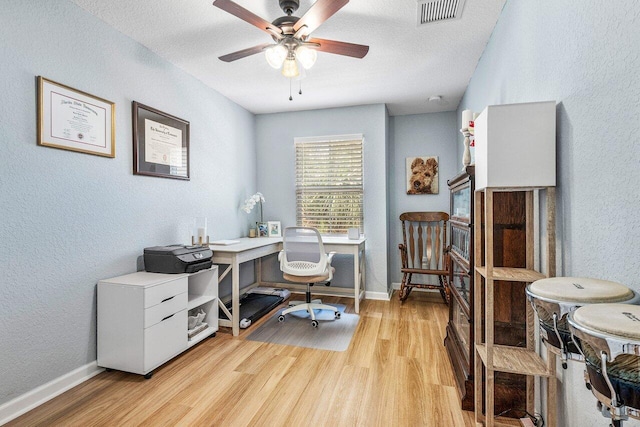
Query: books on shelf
x=195 y=331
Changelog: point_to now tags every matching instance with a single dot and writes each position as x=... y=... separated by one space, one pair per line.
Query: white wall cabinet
x=516 y=145
x=142 y=317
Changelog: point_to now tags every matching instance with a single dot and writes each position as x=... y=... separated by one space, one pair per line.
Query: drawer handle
x=168 y=317
x=167 y=299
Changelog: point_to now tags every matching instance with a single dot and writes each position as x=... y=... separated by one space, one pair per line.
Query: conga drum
x=608 y=335
x=555 y=297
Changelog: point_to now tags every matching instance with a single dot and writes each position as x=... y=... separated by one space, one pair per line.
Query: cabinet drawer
x=164 y=340
x=156 y=294
x=167 y=307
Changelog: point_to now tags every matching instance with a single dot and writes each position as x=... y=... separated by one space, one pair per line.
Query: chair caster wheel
x=281 y=318
x=148 y=376
x=337 y=314
x=314 y=323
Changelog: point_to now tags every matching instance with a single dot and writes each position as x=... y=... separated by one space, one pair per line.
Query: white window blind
x=329 y=184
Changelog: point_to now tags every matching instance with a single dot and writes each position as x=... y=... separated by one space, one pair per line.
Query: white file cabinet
x=142 y=317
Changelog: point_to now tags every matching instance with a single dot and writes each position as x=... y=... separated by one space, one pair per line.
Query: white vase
x=466 y=156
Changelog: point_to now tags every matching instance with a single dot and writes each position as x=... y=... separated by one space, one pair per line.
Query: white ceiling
x=406 y=64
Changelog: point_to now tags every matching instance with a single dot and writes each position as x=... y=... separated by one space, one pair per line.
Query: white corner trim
x=39 y=395
x=382 y=296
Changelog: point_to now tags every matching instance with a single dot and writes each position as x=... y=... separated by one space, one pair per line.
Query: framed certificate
x=74 y=120
x=160 y=143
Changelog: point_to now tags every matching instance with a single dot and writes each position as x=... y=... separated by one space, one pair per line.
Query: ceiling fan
x=291 y=35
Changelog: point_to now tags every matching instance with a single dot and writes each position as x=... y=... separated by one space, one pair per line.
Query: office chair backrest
x=304 y=253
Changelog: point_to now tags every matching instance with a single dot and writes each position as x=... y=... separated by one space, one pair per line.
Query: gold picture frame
x=70 y=119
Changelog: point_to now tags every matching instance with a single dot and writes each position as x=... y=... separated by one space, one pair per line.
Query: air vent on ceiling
x=438 y=10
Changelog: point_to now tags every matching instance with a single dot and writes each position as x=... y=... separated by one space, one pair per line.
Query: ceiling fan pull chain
x=290 y=97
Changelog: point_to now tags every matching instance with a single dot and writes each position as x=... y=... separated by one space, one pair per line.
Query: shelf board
x=516 y=360
x=198 y=300
x=500 y=421
x=200 y=336
x=511 y=274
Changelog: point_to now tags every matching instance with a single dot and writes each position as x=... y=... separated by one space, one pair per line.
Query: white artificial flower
x=251 y=202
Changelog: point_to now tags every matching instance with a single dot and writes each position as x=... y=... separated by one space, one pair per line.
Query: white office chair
x=303 y=260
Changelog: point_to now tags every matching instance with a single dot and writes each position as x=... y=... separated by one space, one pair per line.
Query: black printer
x=177 y=259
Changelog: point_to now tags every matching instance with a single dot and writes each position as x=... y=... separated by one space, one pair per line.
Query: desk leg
x=235 y=297
x=362 y=283
x=356 y=278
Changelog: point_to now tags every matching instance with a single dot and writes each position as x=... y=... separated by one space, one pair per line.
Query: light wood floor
x=395 y=373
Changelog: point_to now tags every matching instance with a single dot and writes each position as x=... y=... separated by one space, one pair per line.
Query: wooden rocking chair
x=424 y=251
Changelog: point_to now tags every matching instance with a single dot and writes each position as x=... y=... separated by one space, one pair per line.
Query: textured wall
x=70 y=219
x=276 y=175
x=412 y=136
x=586 y=57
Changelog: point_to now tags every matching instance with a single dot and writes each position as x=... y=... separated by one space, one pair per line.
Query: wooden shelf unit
x=504 y=249
x=459 y=332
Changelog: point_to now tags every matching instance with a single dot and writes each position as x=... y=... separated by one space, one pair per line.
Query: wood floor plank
x=395 y=373
x=255 y=394
x=362 y=347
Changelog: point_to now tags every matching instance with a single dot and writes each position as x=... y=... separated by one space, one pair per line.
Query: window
x=329 y=188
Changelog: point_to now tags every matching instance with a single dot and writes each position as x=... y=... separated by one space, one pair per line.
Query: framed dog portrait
x=422 y=175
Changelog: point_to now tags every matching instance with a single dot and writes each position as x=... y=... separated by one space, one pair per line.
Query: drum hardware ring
x=603 y=365
x=616 y=412
x=616 y=421
x=563 y=351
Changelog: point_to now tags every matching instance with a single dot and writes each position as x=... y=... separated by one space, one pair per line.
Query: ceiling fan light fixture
x=306 y=56
x=290 y=68
x=276 y=55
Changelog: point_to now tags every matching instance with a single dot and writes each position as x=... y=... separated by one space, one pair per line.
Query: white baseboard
x=382 y=296
x=36 y=397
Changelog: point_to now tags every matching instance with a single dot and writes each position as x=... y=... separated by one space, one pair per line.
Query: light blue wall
x=276 y=175
x=419 y=136
x=70 y=219
x=585 y=57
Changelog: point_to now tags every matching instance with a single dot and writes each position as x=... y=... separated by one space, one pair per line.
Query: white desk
x=255 y=248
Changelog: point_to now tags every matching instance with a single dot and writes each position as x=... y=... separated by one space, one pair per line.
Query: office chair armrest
x=281 y=259
x=330 y=257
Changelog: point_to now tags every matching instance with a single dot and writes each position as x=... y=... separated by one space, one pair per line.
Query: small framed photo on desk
x=274 y=229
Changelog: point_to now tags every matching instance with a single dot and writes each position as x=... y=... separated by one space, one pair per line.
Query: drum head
x=622 y=320
x=580 y=290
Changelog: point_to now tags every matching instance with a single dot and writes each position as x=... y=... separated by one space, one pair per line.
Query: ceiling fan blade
x=247 y=16
x=244 y=52
x=340 y=48
x=318 y=13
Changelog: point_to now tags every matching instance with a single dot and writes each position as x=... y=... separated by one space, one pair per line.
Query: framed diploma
x=74 y=120
x=160 y=143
